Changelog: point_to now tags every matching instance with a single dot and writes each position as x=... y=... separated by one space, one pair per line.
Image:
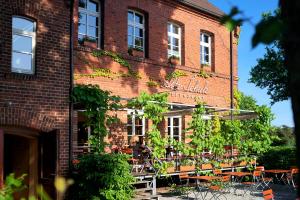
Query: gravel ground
x=281 y=192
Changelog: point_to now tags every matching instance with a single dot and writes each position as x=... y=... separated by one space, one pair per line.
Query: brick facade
x=214 y=90
x=39 y=101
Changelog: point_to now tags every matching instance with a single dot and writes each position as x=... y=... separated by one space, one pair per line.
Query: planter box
x=206 y=166
x=241 y=163
x=225 y=165
x=187 y=168
x=136 y=53
x=90 y=44
x=174 y=61
x=170 y=169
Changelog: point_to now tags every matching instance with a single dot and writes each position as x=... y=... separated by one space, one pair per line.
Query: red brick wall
x=155 y=66
x=40 y=99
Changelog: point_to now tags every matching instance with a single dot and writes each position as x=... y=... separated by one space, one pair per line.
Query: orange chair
x=265 y=180
x=268 y=194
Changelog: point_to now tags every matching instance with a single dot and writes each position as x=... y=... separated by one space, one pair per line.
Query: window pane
x=175 y=121
x=169 y=121
x=130 y=30
x=82 y=18
x=138 y=32
x=169 y=131
x=92 y=31
x=93 y=21
x=82 y=3
x=138 y=42
x=129 y=119
x=129 y=130
x=138 y=19
x=130 y=40
x=175 y=48
x=138 y=121
x=23 y=24
x=175 y=29
x=21 y=61
x=82 y=29
x=139 y=130
x=205 y=37
x=206 y=50
x=22 y=43
x=207 y=58
x=175 y=131
x=175 y=41
x=130 y=16
x=93 y=6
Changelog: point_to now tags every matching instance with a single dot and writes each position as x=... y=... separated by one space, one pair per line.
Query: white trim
x=94 y=14
x=133 y=115
x=136 y=25
x=171 y=126
x=29 y=34
x=204 y=44
x=177 y=36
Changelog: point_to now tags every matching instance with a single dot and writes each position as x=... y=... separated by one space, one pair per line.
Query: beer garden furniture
x=279 y=174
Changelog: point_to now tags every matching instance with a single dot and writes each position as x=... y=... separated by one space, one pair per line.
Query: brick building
x=34 y=90
x=35 y=68
x=148 y=34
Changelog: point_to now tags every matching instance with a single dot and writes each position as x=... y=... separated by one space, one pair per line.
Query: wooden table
x=283 y=173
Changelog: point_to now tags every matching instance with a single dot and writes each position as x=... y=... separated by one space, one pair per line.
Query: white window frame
x=171 y=126
x=134 y=114
x=134 y=25
x=94 y=14
x=204 y=44
x=32 y=35
x=177 y=36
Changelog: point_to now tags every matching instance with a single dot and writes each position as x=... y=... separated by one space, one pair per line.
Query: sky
x=247 y=56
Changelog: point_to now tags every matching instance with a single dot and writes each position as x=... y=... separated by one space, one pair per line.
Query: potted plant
x=89 y=42
x=174 y=60
x=136 y=52
x=170 y=167
x=206 y=165
x=187 y=165
x=226 y=163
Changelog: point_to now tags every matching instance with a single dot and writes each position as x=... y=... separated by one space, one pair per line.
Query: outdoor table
x=276 y=172
x=238 y=177
x=202 y=188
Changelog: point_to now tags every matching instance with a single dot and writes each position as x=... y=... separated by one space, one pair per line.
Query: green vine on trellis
x=97 y=103
x=175 y=74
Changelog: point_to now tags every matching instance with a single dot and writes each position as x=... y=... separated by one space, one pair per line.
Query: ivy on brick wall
x=175 y=74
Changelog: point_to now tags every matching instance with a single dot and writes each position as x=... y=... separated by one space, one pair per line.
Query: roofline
x=194 y=6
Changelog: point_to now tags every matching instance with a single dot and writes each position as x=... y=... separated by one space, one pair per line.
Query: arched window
x=23 y=45
x=174 y=40
x=205 y=49
x=89 y=21
x=136 y=30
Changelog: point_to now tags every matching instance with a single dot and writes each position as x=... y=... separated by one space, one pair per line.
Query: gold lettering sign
x=194 y=85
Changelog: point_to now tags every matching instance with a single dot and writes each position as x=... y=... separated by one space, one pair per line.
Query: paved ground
x=282 y=192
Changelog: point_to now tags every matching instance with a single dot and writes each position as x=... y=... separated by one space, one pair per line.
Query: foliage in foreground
x=103 y=176
x=11 y=186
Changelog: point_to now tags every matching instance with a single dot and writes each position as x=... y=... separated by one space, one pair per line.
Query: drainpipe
x=71 y=83
x=231 y=84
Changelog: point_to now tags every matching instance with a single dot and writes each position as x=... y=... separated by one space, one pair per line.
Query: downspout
x=71 y=83
x=231 y=84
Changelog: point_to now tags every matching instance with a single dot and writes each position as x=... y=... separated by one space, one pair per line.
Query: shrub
x=104 y=176
x=278 y=158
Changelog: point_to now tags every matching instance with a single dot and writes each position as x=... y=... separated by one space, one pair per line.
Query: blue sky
x=247 y=56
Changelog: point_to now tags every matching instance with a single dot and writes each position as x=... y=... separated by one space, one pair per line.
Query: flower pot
x=186 y=168
x=136 y=53
x=206 y=166
x=174 y=61
x=170 y=169
x=240 y=163
x=225 y=165
x=90 y=44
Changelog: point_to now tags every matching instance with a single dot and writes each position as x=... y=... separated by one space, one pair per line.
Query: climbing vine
x=152 y=83
x=175 y=74
x=97 y=103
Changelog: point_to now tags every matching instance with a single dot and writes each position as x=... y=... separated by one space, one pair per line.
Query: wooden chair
x=268 y=194
x=255 y=183
x=184 y=178
x=265 y=180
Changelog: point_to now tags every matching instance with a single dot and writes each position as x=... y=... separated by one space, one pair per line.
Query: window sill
x=20 y=76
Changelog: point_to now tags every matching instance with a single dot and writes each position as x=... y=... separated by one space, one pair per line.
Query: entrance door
x=48 y=161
